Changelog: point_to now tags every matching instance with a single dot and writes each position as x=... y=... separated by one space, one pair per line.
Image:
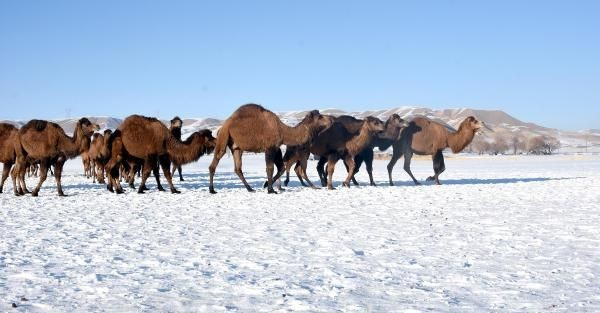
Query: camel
x=99 y=155
x=176 y=124
x=47 y=143
x=148 y=139
x=426 y=137
x=255 y=129
x=8 y=156
x=393 y=128
x=342 y=141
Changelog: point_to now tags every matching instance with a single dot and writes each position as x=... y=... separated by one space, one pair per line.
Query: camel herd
x=140 y=145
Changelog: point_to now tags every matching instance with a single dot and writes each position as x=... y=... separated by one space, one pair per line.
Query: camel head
x=107 y=132
x=393 y=126
x=473 y=124
x=209 y=142
x=88 y=128
x=374 y=125
x=176 y=122
x=317 y=121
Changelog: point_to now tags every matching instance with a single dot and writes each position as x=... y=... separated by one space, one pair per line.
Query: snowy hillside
x=504 y=234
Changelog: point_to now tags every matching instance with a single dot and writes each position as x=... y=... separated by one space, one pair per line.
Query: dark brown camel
x=426 y=137
x=8 y=136
x=342 y=141
x=176 y=124
x=255 y=129
x=393 y=127
x=150 y=140
x=47 y=143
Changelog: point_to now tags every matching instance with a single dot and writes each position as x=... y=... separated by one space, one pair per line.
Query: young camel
x=255 y=129
x=339 y=142
x=176 y=124
x=148 y=139
x=393 y=127
x=46 y=142
x=426 y=137
x=8 y=156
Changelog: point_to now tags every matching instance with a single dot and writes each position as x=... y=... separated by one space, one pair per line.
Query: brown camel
x=148 y=139
x=426 y=137
x=47 y=143
x=393 y=127
x=99 y=155
x=176 y=124
x=255 y=129
x=8 y=156
x=339 y=141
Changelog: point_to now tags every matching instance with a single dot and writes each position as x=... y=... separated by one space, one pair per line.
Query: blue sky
x=536 y=60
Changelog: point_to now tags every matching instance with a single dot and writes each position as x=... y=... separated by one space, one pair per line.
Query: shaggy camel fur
x=393 y=127
x=426 y=137
x=255 y=129
x=47 y=143
x=340 y=142
x=176 y=124
x=148 y=139
x=8 y=156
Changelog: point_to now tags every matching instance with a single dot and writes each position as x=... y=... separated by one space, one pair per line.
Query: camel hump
x=7 y=127
x=37 y=125
x=249 y=110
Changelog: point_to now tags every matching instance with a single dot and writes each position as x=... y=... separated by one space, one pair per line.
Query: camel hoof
x=374 y=184
x=62 y=195
x=181 y=179
x=272 y=191
x=417 y=183
x=160 y=188
x=140 y=190
x=266 y=184
x=119 y=191
x=430 y=178
x=314 y=187
x=391 y=184
x=330 y=187
x=212 y=191
x=285 y=183
x=174 y=191
x=34 y=194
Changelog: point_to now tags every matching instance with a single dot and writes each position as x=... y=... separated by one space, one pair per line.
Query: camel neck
x=459 y=140
x=359 y=141
x=294 y=136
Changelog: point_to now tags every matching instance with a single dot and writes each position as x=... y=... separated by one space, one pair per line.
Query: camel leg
x=349 y=160
x=237 y=161
x=270 y=156
x=14 y=177
x=369 y=164
x=302 y=174
x=58 y=167
x=357 y=165
x=407 y=157
x=165 y=163
x=5 y=172
x=395 y=156
x=157 y=176
x=180 y=175
x=218 y=154
x=113 y=173
x=288 y=166
x=280 y=168
x=321 y=171
x=43 y=175
x=438 y=167
x=149 y=164
x=299 y=170
x=331 y=160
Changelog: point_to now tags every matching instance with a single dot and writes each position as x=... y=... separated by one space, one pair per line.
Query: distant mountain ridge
x=501 y=122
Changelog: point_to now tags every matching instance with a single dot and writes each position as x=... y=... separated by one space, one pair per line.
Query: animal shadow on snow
x=487 y=181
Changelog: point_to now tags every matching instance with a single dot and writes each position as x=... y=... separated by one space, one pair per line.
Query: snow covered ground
x=508 y=234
